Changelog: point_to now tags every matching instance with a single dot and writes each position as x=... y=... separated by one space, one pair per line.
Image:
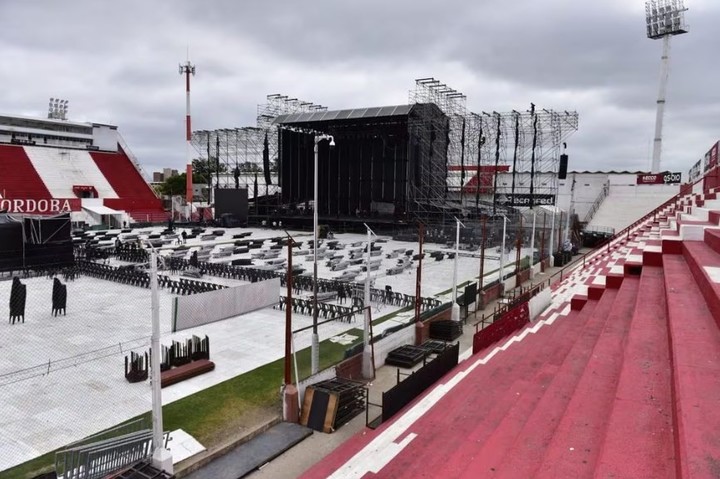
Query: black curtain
x=266 y=160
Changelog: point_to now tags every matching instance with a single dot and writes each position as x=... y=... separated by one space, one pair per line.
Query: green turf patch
x=217 y=412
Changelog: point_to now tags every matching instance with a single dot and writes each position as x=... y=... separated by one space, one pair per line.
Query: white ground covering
x=61 y=379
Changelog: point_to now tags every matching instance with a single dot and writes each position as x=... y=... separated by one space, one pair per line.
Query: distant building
x=161 y=176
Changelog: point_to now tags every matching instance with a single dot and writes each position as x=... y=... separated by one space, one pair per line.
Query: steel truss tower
x=527 y=143
x=243 y=148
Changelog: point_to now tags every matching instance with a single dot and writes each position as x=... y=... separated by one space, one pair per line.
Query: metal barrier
x=98 y=459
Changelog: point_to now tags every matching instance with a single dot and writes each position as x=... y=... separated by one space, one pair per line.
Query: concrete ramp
x=249 y=456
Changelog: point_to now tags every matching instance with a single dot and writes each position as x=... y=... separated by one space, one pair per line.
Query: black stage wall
x=35 y=242
x=384 y=158
x=233 y=202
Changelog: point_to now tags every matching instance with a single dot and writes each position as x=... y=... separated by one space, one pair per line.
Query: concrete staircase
x=623 y=383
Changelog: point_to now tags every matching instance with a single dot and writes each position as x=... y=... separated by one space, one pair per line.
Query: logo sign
x=40 y=207
x=524 y=199
x=666 y=178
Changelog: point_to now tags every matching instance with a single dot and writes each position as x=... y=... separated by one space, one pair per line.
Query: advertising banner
x=665 y=178
x=40 y=207
x=524 y=199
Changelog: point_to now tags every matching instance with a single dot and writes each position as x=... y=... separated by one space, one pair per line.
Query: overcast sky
x=117 y=62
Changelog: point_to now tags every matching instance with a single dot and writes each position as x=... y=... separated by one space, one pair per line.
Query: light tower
x=57 y=109
x=188 y=69
x=664 y=19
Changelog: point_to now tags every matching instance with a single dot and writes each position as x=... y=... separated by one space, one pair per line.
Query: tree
x=175 y=185
x=204 y=169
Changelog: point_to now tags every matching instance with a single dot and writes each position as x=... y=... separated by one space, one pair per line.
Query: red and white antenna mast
x=188 y=69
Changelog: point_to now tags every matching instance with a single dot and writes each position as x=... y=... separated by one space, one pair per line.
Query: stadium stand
x=18 y=177
x=617 y=378
x=50 y=159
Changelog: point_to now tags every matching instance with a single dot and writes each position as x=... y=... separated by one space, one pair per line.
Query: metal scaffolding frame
x=528 y=142
x=243 y=147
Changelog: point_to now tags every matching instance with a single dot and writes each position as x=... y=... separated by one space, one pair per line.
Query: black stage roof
x=373 y=112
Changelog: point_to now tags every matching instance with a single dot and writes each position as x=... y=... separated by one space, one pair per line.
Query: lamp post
x=455 y=313
x=162 y=459
x=532 y=248
x=367 y=365
x=552 y=232
x=315 y=347
x=502 y=254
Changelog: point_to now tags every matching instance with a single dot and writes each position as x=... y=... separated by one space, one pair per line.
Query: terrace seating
x=61 y=169
x=618 y=378
x=18 y=176
x=122 y=175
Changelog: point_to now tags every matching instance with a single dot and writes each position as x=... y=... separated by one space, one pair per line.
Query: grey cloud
x=117 y=62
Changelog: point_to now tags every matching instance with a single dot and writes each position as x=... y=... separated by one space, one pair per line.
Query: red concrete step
x=525 y=451
x=639 y=439
x=122 y=175
x=574 y=448
x=532 y=432
x=695 y=340
x=714 y=217
x=704 y=263
x=712 y=239
x=493 y=392
x=476 y=402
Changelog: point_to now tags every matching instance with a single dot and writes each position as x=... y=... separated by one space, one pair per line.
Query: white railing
x=598 y=201
x=133 y=158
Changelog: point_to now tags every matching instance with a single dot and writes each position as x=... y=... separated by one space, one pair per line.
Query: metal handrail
x=604 y=247
x=598 y=201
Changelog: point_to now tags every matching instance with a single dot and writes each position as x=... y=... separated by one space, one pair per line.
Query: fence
x=198 y=309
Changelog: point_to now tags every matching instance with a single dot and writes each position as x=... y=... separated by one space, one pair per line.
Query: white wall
x=394 y=340
x=539 y=303
x=581 y=189
x=105 y=137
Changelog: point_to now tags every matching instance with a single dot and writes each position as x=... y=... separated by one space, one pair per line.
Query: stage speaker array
x=562 y=172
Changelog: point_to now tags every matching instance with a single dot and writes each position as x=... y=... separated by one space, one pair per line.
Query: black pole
x=497 y=163
x=217 y=160
x=481 y=142
x=517 y=142
x=532 y=157
x=462 y=160
x=208 y=164
x=418 y=277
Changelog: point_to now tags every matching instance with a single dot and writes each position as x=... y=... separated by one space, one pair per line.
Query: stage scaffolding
x=528 y=143
x=243 y=148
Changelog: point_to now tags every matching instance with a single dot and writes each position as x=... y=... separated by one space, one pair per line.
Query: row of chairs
x=325 y=310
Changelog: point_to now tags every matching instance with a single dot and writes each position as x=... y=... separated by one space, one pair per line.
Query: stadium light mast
x=665 y=18
x=188 y=69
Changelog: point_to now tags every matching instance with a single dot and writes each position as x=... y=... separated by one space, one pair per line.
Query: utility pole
x=290 y=392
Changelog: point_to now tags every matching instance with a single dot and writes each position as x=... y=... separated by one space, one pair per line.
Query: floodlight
x=665 y=17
